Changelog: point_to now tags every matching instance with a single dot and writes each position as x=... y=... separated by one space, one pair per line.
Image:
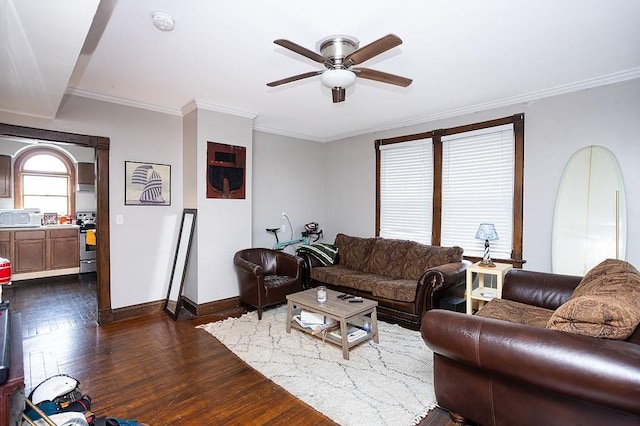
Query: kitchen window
x=474 y=173
x=44 y=178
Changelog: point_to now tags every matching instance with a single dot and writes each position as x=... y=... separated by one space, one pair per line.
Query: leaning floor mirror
x=180 y=262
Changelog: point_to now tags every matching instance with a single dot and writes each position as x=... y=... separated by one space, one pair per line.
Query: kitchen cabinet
x=5 y=176
x=41 y=251
x=86 y=174
x=64 y=251
x=86 y=177
x=29 y=251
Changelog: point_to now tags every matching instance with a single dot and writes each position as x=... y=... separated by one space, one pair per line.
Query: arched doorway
x=101 y=146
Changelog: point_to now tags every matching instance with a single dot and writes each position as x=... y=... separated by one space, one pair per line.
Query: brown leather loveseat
x=405 y=278
x=556 y=350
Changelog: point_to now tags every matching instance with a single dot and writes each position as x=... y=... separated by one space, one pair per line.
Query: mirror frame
x=179 y=270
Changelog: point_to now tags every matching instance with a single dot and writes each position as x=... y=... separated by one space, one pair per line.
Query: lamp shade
x=338 y=78
x=487 y=231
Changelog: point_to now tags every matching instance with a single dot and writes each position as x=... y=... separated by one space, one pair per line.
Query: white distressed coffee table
x=345 y=313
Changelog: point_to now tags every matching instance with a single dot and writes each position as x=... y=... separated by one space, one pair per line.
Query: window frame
x=18 y=171
x=517 y=120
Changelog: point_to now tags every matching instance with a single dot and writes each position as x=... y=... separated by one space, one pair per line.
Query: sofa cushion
x=400 y=290
x=521 y=313
x=422 y=257
x=354 y=251
x=388 y=257
x=363 y=282
x=332 y=274
x=606 y=303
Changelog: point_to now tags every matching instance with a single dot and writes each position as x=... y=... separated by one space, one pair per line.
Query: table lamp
x=487 y=232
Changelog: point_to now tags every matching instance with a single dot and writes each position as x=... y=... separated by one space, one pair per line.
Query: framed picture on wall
x=147 y=184
x=226 y=172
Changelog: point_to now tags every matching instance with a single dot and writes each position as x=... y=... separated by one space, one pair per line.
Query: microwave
x=24 y=218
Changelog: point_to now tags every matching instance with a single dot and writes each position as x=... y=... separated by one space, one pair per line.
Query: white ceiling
x=463 y=56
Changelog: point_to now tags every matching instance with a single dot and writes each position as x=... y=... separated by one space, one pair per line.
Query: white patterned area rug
x=386 y=383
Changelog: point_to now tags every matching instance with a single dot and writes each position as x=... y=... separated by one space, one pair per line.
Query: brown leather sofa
x=496 y=372
x=405 y=278
x=266 y=277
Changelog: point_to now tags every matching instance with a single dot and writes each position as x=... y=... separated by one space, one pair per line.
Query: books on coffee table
x=314 y=321
x=353 y=333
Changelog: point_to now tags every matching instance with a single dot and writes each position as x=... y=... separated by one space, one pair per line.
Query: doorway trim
x=101 y=146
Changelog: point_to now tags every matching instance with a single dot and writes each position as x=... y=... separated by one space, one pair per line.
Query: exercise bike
x=311 y=231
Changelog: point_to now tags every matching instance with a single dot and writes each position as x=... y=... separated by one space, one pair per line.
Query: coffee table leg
x=345 y=342
x=374 y=325
x=289 y=315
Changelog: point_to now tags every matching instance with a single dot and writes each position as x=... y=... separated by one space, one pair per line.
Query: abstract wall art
x=147 y=184
x=226 y=171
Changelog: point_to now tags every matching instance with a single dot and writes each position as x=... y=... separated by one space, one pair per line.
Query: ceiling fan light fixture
x=338 y=78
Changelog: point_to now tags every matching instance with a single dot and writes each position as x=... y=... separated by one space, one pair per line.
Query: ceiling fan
x=339 y=54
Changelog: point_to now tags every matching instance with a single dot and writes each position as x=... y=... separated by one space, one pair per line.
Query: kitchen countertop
x=35 y=228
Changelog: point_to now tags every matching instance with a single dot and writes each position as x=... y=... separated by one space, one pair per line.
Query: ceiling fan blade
x=294 y=78
x=372 y=49
x=338 y=94
x=301 y=50
x=383 y=77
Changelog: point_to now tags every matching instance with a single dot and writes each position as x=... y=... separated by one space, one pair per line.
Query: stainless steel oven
x=87 y=222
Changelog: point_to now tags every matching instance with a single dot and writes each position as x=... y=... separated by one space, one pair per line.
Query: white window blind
x=477 y=187
x=406 y=190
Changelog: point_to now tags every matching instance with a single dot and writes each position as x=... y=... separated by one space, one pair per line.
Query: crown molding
x=524 y=98
x=190 y=106
x=120 y=101
x=289 y=134
x=199 y=104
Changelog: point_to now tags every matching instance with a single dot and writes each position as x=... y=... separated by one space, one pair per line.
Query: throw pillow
x=608 y=277
x=325 y=253
x=605 y=304
x=597 y=316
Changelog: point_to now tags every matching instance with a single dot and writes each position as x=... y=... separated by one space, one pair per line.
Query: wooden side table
x=483 y=294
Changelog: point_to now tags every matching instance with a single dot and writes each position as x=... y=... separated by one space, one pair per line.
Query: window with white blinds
x=406 y=190
x=478 y=187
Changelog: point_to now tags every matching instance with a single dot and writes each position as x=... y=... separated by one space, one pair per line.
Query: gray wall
x=288 y=177
x=555 y=128
x=142 y=248
x=224 y=225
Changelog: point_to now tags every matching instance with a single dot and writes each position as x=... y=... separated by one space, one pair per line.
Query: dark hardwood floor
x=152 y=369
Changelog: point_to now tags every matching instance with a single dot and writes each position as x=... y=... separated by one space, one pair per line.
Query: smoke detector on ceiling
x=163 y=21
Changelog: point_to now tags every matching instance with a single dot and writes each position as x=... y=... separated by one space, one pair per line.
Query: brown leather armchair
x=495 y=372
x=266 y=276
